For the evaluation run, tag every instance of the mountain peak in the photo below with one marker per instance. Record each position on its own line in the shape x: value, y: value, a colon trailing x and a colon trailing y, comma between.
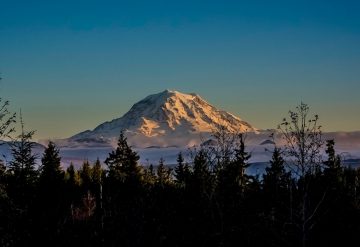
x: 170, y: 93
x: 167, y: 117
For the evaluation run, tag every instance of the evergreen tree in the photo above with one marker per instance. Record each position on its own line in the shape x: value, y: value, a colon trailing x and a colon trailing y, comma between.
x: 276, y: 184
x: 123, y: 162
x: 239, y: 164
x: 333, y: 169
x: 50, y: 207
x: 85, y: 173
x: 276, y: 178
x: 182, y: 171
x: 7, y: 120
x: 232, y: 179
x: 72, y: 176
x: 97, y: 177
x: 232, y: 183
x: 163, y: 173
x: 22, y: 167
x: 72, y: 183
x: 51, y: 173
x: 201, y: 176
x: 23, y: 178
x: 149, y: 175
x: 124, y: 191
x: 7, y: 211
x: 2, y: 173
x: 97, y: 174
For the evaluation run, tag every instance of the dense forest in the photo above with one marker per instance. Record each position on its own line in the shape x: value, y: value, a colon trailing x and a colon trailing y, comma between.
x: 306, y: 197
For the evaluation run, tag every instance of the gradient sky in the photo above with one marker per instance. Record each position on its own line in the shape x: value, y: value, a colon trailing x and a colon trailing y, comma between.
x: 70, y: 65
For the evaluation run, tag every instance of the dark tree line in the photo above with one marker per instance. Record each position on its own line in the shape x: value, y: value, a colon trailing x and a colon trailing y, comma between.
x: 302, y: 199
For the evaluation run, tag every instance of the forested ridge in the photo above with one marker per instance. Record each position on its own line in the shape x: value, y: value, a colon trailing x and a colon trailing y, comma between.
x: 304, y: 198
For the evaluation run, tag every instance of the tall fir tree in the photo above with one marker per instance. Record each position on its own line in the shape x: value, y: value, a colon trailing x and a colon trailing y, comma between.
x: 163, y: 173
x: 232, y: 179
x: 85, y: 173
x: 123, y: 162
x: 72, y: 176
x: 182, y: 171
x: 276, y: 178
x: 51, y: 173
x: 51, y: 206
x: 150, y: 176
x: 72, y: 182
x: 97, y: 180
x: 201, y: 179
x: 23, y: 179
x: 240, y: 163
x: 333, y: 169
x: 2, y: 174
x: 97, y: 174
x: 277, y: 188
x: 22, y: 169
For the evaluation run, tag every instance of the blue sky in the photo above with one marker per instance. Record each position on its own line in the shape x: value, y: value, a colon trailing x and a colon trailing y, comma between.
x: 70, y: 65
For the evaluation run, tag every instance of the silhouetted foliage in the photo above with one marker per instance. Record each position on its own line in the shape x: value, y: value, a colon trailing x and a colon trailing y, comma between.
x: 85, y: 173
x: 22, y: 178
x: 50, y: 203
x: 182, y: 171
x: 276, y: 179
x: 22, y: 171
x: 163, y: 173
x: 123, y: 162
x: 333, y: 167
x: 51, y: 173
x: 210, y: 201
x: 150, y: 176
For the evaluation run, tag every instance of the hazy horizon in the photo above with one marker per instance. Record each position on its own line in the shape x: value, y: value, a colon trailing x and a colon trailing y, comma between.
x: 73, y: 65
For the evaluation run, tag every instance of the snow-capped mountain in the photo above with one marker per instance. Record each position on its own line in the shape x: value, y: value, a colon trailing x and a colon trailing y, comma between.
x: 169, y: 118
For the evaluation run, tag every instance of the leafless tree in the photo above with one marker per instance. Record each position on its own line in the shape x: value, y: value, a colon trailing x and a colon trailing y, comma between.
x: 302, y: 148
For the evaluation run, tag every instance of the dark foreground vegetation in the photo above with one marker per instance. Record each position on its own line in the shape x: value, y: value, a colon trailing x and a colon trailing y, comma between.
x: 314, y: 201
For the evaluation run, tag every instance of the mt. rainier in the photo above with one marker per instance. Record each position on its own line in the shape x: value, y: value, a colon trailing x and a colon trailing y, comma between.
x: 169, y: 118
x: 175, y: 121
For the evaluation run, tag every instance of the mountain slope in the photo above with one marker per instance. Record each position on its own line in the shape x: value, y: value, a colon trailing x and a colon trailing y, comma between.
x: 165, y: 119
